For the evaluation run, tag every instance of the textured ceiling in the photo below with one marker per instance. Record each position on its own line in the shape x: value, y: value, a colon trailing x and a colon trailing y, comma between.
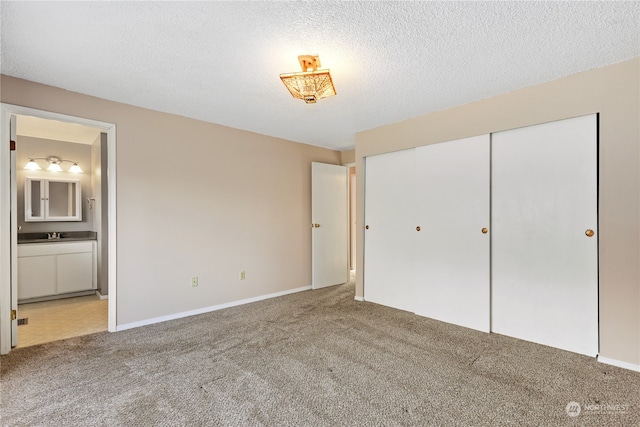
x: 390, y: 61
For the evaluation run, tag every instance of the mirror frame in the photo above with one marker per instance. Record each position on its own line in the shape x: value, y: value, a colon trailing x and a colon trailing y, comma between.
x: 44, y: 203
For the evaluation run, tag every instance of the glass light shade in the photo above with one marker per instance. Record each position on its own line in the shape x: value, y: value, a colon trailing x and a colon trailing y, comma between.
x: 54, y: 167
x: 309, y: 86
x: 75, y: 168
x: 32, y: 165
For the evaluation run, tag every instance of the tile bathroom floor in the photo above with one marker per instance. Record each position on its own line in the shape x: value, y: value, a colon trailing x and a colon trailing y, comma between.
x: 60, y: 319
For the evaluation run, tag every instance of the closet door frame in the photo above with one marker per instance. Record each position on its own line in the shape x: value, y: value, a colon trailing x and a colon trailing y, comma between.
x: 528, y: 299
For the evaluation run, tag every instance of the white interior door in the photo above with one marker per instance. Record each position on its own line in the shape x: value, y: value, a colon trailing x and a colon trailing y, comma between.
x: 544, y: 266
x: 389, y: 235
x: 8, y: 234
x: 452, y: 251
x: 330, y: 223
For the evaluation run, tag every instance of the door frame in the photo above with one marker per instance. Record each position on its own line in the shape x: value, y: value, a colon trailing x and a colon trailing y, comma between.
x: 352, y: 221
x: 351, y: 210
x: 6, y: 267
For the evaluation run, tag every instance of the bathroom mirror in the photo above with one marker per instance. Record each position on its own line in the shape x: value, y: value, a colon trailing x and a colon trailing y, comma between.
x: 52, y: 199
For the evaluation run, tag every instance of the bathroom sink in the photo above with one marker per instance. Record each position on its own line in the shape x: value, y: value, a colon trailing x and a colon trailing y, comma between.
x: 64, y: 236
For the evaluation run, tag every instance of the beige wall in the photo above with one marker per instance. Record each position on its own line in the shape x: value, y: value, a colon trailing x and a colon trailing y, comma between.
x: 196, y: 199
x: 347, y: 157
x: 614, y: 92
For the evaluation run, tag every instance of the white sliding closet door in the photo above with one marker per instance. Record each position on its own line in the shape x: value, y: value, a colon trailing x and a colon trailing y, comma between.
x: 544, y: 265
x: 452, y: 256
x: 389, y: 233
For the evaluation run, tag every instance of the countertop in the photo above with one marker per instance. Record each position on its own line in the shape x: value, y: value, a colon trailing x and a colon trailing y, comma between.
x: 66, y: 236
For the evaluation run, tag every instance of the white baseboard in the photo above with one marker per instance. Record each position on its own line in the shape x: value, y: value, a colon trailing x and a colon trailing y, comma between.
x: 99, y: 295
x: 203, y: 310
x: 357, y: 298
x: 619, y: 364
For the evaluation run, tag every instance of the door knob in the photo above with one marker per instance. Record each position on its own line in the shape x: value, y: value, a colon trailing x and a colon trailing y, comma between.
x: 418, y: 228
x: 366, y: 227
x: 316, y: 225
x: 485, y: 230
x: 589, y: 233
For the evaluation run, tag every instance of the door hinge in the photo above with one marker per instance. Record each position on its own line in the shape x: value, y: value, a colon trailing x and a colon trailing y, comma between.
x: 14, y: 315
x: 12, y: 146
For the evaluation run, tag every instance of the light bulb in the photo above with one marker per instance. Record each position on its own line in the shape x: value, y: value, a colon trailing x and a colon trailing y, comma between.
x: 32, y: 165
x: 54, y: 167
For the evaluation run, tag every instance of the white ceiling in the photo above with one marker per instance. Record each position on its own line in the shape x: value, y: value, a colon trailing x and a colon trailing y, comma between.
x: 220, y: 61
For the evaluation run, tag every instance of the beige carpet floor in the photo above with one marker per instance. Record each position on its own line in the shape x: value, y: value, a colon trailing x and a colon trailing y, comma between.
x: 316, y: 358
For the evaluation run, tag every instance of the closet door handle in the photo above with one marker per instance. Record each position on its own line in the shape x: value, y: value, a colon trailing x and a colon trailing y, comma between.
x: 366, y: 227
x: 418, y: 228
x: 485, y: 230
x: 589, y: 233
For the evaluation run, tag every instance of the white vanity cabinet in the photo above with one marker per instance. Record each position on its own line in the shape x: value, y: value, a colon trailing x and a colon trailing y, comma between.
x: 52, y: 199
x: 49, y: 269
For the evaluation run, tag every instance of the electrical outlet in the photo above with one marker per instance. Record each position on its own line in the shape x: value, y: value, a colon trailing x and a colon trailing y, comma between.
x: 194, y: 282
x: 242, y: 275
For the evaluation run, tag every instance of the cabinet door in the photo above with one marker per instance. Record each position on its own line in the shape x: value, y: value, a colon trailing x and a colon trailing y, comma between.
x: 453, y: 258
x: 37, y: 276
x: 544, y: 266
x: 75, y: 272
x: 63, y: 200
x: 34, y: 199
x: 48, y: 199
x: 390, y: 218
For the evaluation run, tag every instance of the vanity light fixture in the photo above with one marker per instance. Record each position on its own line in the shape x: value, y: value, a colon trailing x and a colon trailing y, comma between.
x: 311, y: 84
x: 54, y: 164
x: 75, y: 168
x: 32, y: 165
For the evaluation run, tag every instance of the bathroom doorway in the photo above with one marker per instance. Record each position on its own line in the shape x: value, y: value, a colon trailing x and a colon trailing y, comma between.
x: 77, y: 310
x: 60, y: 305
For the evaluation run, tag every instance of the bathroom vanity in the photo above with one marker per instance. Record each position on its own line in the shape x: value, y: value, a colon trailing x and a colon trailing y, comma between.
x: 59, y: 267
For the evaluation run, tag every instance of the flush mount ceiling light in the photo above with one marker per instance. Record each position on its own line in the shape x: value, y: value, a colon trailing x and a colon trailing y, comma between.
x: 54, y: 164
x: 309, y: 85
